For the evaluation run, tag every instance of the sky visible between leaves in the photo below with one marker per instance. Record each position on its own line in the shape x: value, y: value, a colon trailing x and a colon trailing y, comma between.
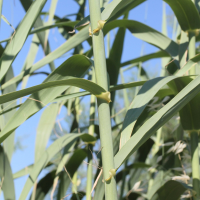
x: 149, y: 13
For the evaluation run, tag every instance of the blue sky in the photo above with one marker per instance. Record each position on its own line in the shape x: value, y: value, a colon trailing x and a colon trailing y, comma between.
x: 149, y: 13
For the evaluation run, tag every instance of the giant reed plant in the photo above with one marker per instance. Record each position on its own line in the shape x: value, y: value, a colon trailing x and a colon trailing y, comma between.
x: 131, y: 162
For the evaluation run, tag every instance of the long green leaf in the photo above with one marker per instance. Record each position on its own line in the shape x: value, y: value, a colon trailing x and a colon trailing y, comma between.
x: 170, y: 190
x: 75, y: 66
x: 91, y: 87
x: 146, y: 34
x: 115, y: 56
x: 72, y: 165
x: 50, y: 19
x: 23, y: 172
x: 159, y: 54
x: 9, y: 143
x: 191, y: 63
x: 77, y: 82
x: 80, y: 94
x: 58, y: 24
x: 68, y: 45
x: 44, y: 129
x: 146, y: 93
x: 65, y: 141
x: 157, y: 120
x: 186, y: 13
x: 30, y: 59
x: 6, y: 176
x: 65, y: 158
x: 15, y: 45
x: 44, y: 185
x: 189, y: 114
x: 41, y: 35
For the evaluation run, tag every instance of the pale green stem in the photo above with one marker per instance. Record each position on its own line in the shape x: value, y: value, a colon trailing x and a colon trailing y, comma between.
x: 194, y: 134
x: 195, y: 164
x: 90, y: 147
x: 103, y: 107
x: 192, y: 48
x: 74, y: 180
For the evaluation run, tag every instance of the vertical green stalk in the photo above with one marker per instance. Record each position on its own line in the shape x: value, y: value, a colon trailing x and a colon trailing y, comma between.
x: 103, y: 107
x: 194, y: 134
x: 90, y: 146
x: 192, y: 49
x: 195, y: 163
x: 74, y: 181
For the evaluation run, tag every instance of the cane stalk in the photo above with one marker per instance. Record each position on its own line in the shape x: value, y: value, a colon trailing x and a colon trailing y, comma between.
x: 103, y: 106
x: 90, y: 146
x: 194, y: 133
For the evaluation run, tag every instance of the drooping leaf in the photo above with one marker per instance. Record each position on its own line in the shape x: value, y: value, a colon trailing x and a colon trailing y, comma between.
x: 69, y: 44
x: 146, y: 34
x: 186, y: 13
x: 75, y: 66
x: 79, y: 94
x: 77, y: 82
